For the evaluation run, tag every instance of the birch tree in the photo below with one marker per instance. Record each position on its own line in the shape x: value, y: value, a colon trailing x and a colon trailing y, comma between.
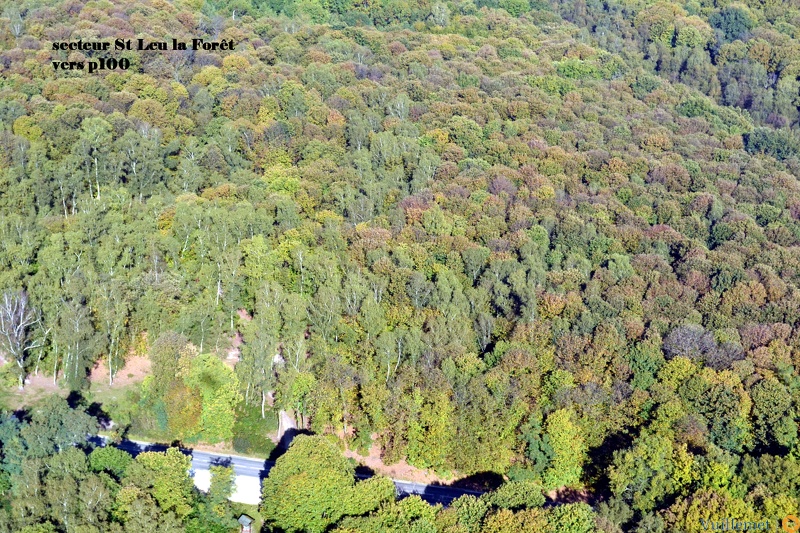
x: 17, y: 323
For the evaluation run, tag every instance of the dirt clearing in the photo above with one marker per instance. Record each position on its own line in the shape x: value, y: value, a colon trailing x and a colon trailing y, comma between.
x: 400, y: 470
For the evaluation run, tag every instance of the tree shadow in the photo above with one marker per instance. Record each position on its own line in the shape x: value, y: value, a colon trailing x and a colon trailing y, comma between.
x: 572, y: 496
x: 95, y: 409
x: 23, y: 414
x: 123, y: 433
x: 280, y: 449
x: 364, y: 472
x: 601, y: 458
x: 268, y: 464
x: 131, y: 448
x: 474, y: 485
x: 221, y: 461
x: 185, y: 450
x: 155, y: 447
x: 76, y: 400
x: 480, y: 481
x: 285, y: 442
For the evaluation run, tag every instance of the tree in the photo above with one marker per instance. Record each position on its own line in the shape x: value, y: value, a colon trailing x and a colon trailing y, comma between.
x: 471, y: 512
x: 651, y: 471
x: 517, y: 495
x: 645, y: 361
x: 12, y: 448
x: 324, y: 311
x: 780, y: 144
x: 311, y: 487
x: 572, y: 518
x: 96, y: 501
x: 567, y: 443
x: 165, y: 355
x: 17, y: 321
x: 91, y: 154
x: 61, y: 496
x: 110, y: 459
x: 773, y: 413
x: 55, y: 427
x: 221, y: 489
x: 113, y: 311
x: 734, y: 22
x: 219, y: 389
x: 432, y: 433
x: 142, y: 161
x: 692, y: 514
x: 515, y: 8
x: 168, y: 472
x: 184, y: 408
x: 144, y: 516
x: 721, y: 405
x: 261, y: 337
x: 408, y: 514
x: 76, y: 335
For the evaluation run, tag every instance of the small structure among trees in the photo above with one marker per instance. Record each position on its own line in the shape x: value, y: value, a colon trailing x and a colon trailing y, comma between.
x: 247, y: 523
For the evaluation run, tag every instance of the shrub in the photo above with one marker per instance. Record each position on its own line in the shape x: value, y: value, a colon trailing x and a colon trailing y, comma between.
x: 250, y: 432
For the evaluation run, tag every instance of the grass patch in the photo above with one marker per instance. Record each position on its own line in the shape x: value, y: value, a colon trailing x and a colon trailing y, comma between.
x: 251, y: 511
x: 251, y: 432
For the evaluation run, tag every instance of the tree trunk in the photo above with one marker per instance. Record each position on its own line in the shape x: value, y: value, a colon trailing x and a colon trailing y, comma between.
x: 110, y: 369
x: 55, y: 367
x: 38, y: 360
x: 263, y: 401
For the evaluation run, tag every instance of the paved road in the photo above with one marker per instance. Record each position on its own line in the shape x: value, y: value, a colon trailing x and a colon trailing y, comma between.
x: 249, y: 472
x: 431, y: 493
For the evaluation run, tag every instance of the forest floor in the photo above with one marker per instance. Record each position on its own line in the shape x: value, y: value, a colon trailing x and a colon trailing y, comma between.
x: 36, y: 389
x: 135, y: 370
x: 41, y: 386
x: 127, y: 378
x: 565, y: 495
x: 234, y: 353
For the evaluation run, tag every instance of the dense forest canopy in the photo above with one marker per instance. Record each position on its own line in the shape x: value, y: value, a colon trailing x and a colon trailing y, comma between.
x: 556, y: 242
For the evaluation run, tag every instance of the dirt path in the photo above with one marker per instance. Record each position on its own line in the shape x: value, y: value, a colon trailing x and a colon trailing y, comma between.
x: 234, y: 353
x: 400, y: 470
x: 285, y: 423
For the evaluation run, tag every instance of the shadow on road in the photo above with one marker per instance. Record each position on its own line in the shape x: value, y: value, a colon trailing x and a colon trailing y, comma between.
x: 221, y: 461
x: 436, y: 493
x: 481, y: 481
x: 444, y: 494
x: 268, y: 464
x: 134, y: 448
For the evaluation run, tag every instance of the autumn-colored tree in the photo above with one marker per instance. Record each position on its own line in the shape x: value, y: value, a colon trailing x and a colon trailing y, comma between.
x: 312, y: 486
